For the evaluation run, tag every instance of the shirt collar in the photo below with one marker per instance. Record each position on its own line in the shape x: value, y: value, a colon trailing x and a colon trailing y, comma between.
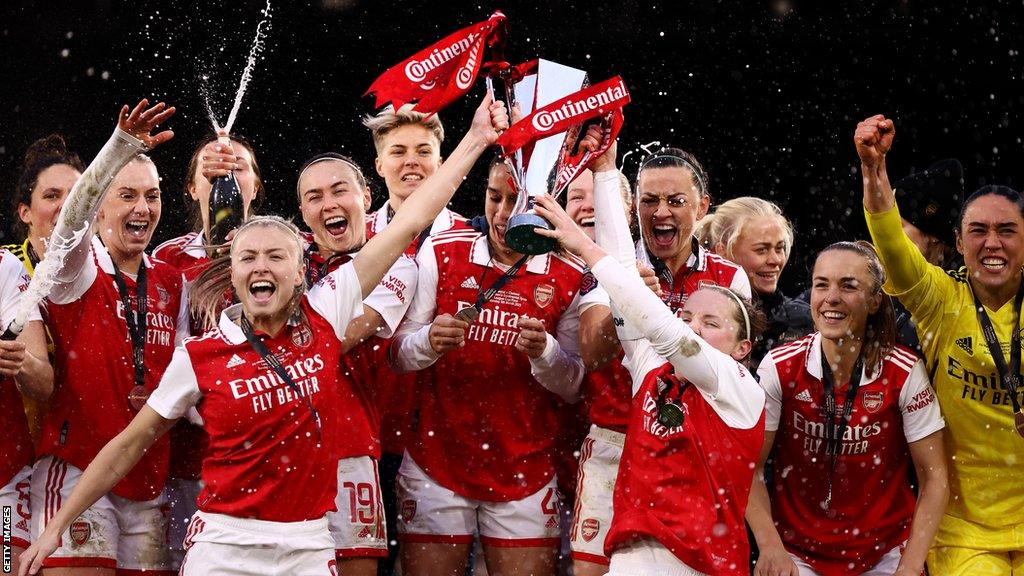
x: 103, y: 257
x: 196, y: 246
x: 813, y: 365
x: 230, y: 328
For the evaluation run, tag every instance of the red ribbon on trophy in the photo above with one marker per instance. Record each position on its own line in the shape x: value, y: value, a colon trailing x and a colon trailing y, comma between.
x: 604, y: 100
x: 439, y: 74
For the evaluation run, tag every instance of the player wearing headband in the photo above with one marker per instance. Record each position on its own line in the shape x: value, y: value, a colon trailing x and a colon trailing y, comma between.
x: 333, y: 197
x: 849, y: 411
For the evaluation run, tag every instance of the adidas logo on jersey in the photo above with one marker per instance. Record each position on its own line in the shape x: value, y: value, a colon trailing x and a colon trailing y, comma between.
x: 235, y: 361
x: 471, y: 283
x: 804, y: 396
x: 552, y: 522
x: 965, y: 345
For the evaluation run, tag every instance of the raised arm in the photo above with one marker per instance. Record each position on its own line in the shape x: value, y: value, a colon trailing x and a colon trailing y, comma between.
x: 420, y: 209
x: 873, y: 139
x: 69, y: 244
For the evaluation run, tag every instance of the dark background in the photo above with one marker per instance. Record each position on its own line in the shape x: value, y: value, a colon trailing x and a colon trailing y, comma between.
x: 765, y: 93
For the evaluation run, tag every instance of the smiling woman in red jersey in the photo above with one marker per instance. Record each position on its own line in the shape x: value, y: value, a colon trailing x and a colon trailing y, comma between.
x: 263, y: 384
x: 848, y: 412
x: 474, y: 464
x: 190, y: 254
x: 114, y: 316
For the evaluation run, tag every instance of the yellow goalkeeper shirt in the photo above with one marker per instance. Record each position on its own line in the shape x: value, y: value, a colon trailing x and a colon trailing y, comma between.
x: 986, y: 506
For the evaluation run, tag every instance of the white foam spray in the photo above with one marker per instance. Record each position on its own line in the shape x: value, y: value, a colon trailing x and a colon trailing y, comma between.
x: 250, y: 65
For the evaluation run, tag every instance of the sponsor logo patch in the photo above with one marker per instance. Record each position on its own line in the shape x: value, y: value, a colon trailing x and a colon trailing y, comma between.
x: 804, y: 396
x: 590, y: 528
x: 235, y: 360
x: 587, y: 283
x: 965, y: 345
x: 471, y: 283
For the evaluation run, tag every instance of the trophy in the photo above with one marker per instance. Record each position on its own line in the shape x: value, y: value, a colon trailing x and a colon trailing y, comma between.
x: 542, y: 149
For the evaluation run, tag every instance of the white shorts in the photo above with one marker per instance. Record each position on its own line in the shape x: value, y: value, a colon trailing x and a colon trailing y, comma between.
x: 112, y: 533
x: 17, y: 507
x: 429, y: 512
x: 885, y: 567
x: 358, y: 526
x: 181, y: 496
x: 217, y: 544
x: 647, y: 557
x: 595, y: 486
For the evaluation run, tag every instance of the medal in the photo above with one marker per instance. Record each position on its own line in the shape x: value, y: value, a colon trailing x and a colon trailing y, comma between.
x: 137, y: 397
x: 670, y: 415
x: 469, y: 314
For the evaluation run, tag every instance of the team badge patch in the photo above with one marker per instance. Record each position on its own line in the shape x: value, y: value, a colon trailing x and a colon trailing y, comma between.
x: 162, y: 296
x: 590, y: 528
x: 408, y: 510
x: 80, y: 532
x: 302, y: 336
x: 872, y: 401
x: 543, y: 294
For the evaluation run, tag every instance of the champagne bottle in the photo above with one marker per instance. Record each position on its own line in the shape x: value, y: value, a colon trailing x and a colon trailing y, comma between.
x: 226, y: 206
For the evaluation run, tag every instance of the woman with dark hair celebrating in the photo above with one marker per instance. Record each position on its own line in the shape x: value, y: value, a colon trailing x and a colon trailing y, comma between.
x: 47, y: 174
x: 848, y: 410
x: 264, y: 383
x: 968, y: 321
x: 697, y: 415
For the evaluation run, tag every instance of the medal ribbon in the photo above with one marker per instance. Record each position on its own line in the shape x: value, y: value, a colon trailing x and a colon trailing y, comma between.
x: 834, y: 432
x: 482, y: 296
x: 1008, y: 374
x: 278, y: 369
x: 136, y: 319
x: 442, y: 72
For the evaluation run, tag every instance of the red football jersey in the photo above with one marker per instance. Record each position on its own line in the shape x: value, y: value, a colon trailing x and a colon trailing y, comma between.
x: 872, y: 502
x: 487, y: 428
x: 188, y: 254
x: 608, y: 392
x: 16, y: 449
x: 265, y: 459
x: 396, y: 395
x: 94, y: 369
x: 701, y: 269
x: 687, y: 487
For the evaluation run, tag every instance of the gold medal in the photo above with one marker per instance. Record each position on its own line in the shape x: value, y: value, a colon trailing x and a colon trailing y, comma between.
x: 468, y: 314
x: 670, y: 415
x: 137, y: 397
